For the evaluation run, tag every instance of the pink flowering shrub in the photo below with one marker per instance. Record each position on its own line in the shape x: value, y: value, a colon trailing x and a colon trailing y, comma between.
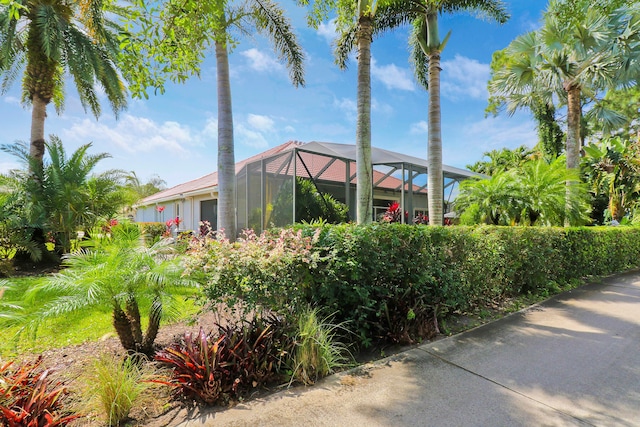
x: 272, y: 270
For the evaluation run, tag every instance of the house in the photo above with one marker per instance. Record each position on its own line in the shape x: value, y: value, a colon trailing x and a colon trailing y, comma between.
x: 265, y: 182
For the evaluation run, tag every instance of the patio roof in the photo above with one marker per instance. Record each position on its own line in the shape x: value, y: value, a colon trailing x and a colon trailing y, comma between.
x: 329, y: 171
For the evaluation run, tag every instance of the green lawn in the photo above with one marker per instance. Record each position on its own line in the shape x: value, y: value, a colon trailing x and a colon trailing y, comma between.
x: 71, y: 329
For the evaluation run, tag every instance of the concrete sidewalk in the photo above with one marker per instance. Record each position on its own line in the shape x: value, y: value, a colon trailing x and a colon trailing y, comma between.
x: 573, y: 360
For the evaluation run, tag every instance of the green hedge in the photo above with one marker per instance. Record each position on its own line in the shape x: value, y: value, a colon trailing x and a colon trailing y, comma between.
x: 391, y: 281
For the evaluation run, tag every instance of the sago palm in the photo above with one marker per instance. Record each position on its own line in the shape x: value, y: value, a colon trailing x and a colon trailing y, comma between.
x: 426, y: 49
x: 45, y: 39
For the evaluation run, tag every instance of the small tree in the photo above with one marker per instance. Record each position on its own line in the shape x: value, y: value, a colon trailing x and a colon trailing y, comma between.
x: 120, y: 273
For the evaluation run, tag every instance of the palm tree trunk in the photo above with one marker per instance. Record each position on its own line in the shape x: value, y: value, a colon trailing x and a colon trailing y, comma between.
x: 133, y: 315
x: 38, y: 115
x: 573, y: 127
x: 226, y: 158
x: 363, y: 127
x: 155, y: 315
x: 574, y: 113
x: 434, y: 155
x: 122, y: 325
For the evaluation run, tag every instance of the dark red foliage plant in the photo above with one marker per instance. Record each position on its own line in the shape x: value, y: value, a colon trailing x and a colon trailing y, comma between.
x: 214, y: 369
x: 29, y: 398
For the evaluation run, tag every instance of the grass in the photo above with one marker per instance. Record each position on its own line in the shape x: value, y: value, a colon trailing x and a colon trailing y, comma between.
x: 319, y: 351
x: 71, y: 329
x: 114, y: 385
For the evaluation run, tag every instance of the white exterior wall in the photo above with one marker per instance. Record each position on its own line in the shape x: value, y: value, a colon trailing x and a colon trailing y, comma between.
x: 188, y: 207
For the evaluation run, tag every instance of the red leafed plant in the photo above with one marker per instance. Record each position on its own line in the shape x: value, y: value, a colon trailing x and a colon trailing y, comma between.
x: 29, y: 398
x: 394, y: 213
x: 212, y: 369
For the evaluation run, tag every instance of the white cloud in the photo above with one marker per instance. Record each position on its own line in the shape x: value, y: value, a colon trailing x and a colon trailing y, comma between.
x: 347, y: 106
x: 419, y: 128
x: 464, y: 78
x: 260, y: 61
x: 134, y: 135
x: 381, y: 107
x: 260, y: 123
x: 498, y: 132
x: 392, y: 76
x: 328, y: 31
x: 12, y: 100
x: 5, y: 167
x: 250, y: 137
x: 289, y: 129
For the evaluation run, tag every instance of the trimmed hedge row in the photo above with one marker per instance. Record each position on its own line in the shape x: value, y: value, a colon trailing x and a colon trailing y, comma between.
x: 389, y: 280
x: 392, y: 281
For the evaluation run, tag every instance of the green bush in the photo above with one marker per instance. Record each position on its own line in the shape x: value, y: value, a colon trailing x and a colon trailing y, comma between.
x: 271, y: 270
x: 152, y: 231
x: 310, y: 205
x: 394, y: 281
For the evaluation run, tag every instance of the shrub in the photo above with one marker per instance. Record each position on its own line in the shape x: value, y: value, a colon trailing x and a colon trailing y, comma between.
x: 272, y: 270
x: 393, y: 282
x: 310, y: 205
x: 152, y: 231
x: 318, y: 350
x: 114, y: 385
x: 217, y: 368
x: 28, y: 397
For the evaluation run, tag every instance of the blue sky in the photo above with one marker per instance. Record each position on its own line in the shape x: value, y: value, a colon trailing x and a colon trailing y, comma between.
x: 174, y: 135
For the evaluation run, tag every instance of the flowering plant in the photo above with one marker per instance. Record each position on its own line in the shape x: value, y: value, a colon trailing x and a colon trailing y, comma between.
x: 394, y: 213
x: 160, y: 208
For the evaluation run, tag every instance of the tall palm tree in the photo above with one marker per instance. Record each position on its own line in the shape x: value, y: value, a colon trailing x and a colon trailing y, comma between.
x: 358, y: 22
x: 573, y: 59
x: 48, y: 38
x: 187, y: 30
x: 426, y: 49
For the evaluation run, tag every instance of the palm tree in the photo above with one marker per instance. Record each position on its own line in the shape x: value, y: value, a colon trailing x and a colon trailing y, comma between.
x: 65, y: 197
x: 357, y: 27
x: 120, y: 274
x: 503, y: 160
x: 613, y: 169
x: 426, y: 50
x: 532, y: 194
x: 48, y: 38
x: 571, y: 59
x: 187, y: 30
x: 541, y: 194
x: 491, y: 198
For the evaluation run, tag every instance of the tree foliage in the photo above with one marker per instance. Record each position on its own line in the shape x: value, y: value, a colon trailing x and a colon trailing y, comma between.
x: 120, y: 274
x: 43, y: 40
x: 612, y: 169
x: 503, y: 160
x: 532, y: 194
x: 65, y: 197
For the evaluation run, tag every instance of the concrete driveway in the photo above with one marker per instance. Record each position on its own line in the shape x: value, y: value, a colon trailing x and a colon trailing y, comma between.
x: 573, y: 360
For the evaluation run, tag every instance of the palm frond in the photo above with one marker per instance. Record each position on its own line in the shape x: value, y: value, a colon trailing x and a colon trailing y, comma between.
x: 419, y: 59
x: 345, y: 44
x: 272, y: 21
